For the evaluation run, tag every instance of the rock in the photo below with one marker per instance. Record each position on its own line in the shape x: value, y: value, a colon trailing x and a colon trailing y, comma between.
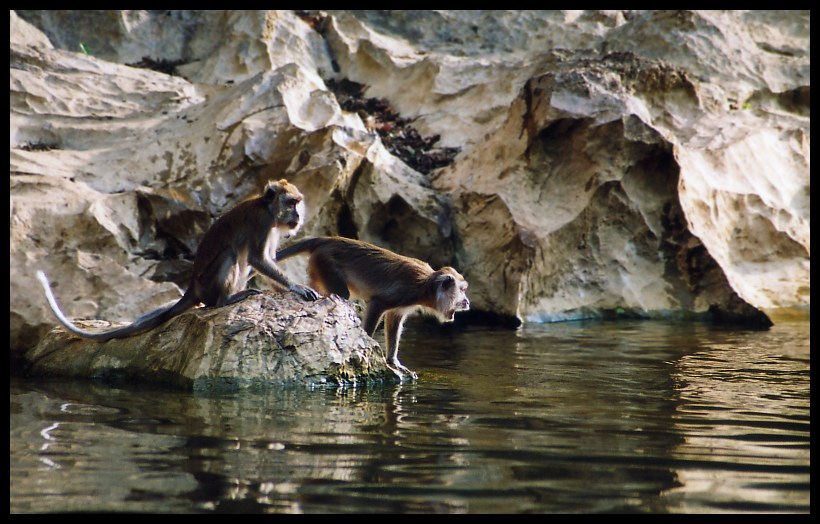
x: 266, y: 339
x: 613, y: 234
x: 205, y: 47
x: 647, y: 163
x: 605, y: 152
x: 113, y: 190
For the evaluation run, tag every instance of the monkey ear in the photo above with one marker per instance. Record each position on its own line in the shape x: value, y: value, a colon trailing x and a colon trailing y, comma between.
x: 447, y: 281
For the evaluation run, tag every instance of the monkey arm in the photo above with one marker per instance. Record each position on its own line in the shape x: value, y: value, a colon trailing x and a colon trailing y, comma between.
x: 393, y: 325
x: 269, y: 269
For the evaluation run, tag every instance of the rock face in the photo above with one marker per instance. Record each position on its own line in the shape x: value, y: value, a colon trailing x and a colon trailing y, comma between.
x: 265, y: 339
x: 652, y: 163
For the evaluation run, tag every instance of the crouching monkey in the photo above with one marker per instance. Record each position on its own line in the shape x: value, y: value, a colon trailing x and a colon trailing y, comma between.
x: 392, y: 285
x: 240, y: 241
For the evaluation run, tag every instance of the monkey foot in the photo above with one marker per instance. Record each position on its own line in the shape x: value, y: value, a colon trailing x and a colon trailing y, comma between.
x: 242, y: 295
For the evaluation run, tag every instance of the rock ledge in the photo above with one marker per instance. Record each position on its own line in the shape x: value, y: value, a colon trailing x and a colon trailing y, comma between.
x: 265, y: 340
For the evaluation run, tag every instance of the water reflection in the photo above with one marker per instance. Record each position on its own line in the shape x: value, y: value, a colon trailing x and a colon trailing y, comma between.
x: 575, y: 417
x: 746, y: 419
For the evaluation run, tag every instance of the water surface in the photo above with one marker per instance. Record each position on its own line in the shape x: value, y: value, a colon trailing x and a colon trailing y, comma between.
x: 619, y: 416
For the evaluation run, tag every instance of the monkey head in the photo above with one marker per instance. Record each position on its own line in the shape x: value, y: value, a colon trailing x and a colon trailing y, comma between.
x: 286, y: 204
x: 451, y: 293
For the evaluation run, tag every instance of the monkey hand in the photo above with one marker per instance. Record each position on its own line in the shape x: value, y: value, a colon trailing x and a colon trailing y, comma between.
x: 305, y: 292
x: 403, y: 371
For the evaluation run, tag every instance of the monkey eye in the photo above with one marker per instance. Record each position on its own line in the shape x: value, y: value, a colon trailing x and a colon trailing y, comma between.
x: 291, y: 202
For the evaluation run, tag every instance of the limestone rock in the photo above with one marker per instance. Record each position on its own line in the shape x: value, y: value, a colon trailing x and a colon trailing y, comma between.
x: 205, y: 47
x: 583, y: 210
x: 651, y: 163
x: 266, y: 339
x: 117, y: 172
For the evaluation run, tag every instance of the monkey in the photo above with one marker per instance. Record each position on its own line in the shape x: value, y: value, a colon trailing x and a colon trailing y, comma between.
x: 242, y: 240
x: 392, y: 285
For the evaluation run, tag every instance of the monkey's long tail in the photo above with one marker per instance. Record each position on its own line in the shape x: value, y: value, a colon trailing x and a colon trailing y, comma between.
x: 303, y: 246
x: 146, y: 323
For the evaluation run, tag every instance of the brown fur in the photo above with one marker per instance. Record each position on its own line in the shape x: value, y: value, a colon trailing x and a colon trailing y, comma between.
x: 240, y: 241
x: 392, y: 285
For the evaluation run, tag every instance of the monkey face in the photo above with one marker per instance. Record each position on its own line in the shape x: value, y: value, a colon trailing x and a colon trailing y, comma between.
x: 291, y: 212
x: 451, y: 293
x: 287, y: 205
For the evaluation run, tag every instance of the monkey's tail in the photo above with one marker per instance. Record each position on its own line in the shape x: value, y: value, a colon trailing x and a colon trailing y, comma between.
x: 303, y: 246
x: 145, y: 323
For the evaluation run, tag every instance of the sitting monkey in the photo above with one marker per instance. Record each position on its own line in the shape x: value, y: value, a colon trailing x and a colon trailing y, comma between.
x: 242, y: 240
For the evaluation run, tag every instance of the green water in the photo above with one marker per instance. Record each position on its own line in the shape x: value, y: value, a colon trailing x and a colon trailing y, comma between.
x: 621, y: 416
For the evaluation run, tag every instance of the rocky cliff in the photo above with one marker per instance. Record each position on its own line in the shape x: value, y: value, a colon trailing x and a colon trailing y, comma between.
x: 569, y: 164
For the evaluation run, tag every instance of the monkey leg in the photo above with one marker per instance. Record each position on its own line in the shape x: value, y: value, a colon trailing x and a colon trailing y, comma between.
x: 222, y: 281
x: 372, y: 316
x: 324, y: 276
x: 236, y: 297
x: 231, y: 281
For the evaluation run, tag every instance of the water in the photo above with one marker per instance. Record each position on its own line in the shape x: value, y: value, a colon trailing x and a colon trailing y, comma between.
x: 574, y: 417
